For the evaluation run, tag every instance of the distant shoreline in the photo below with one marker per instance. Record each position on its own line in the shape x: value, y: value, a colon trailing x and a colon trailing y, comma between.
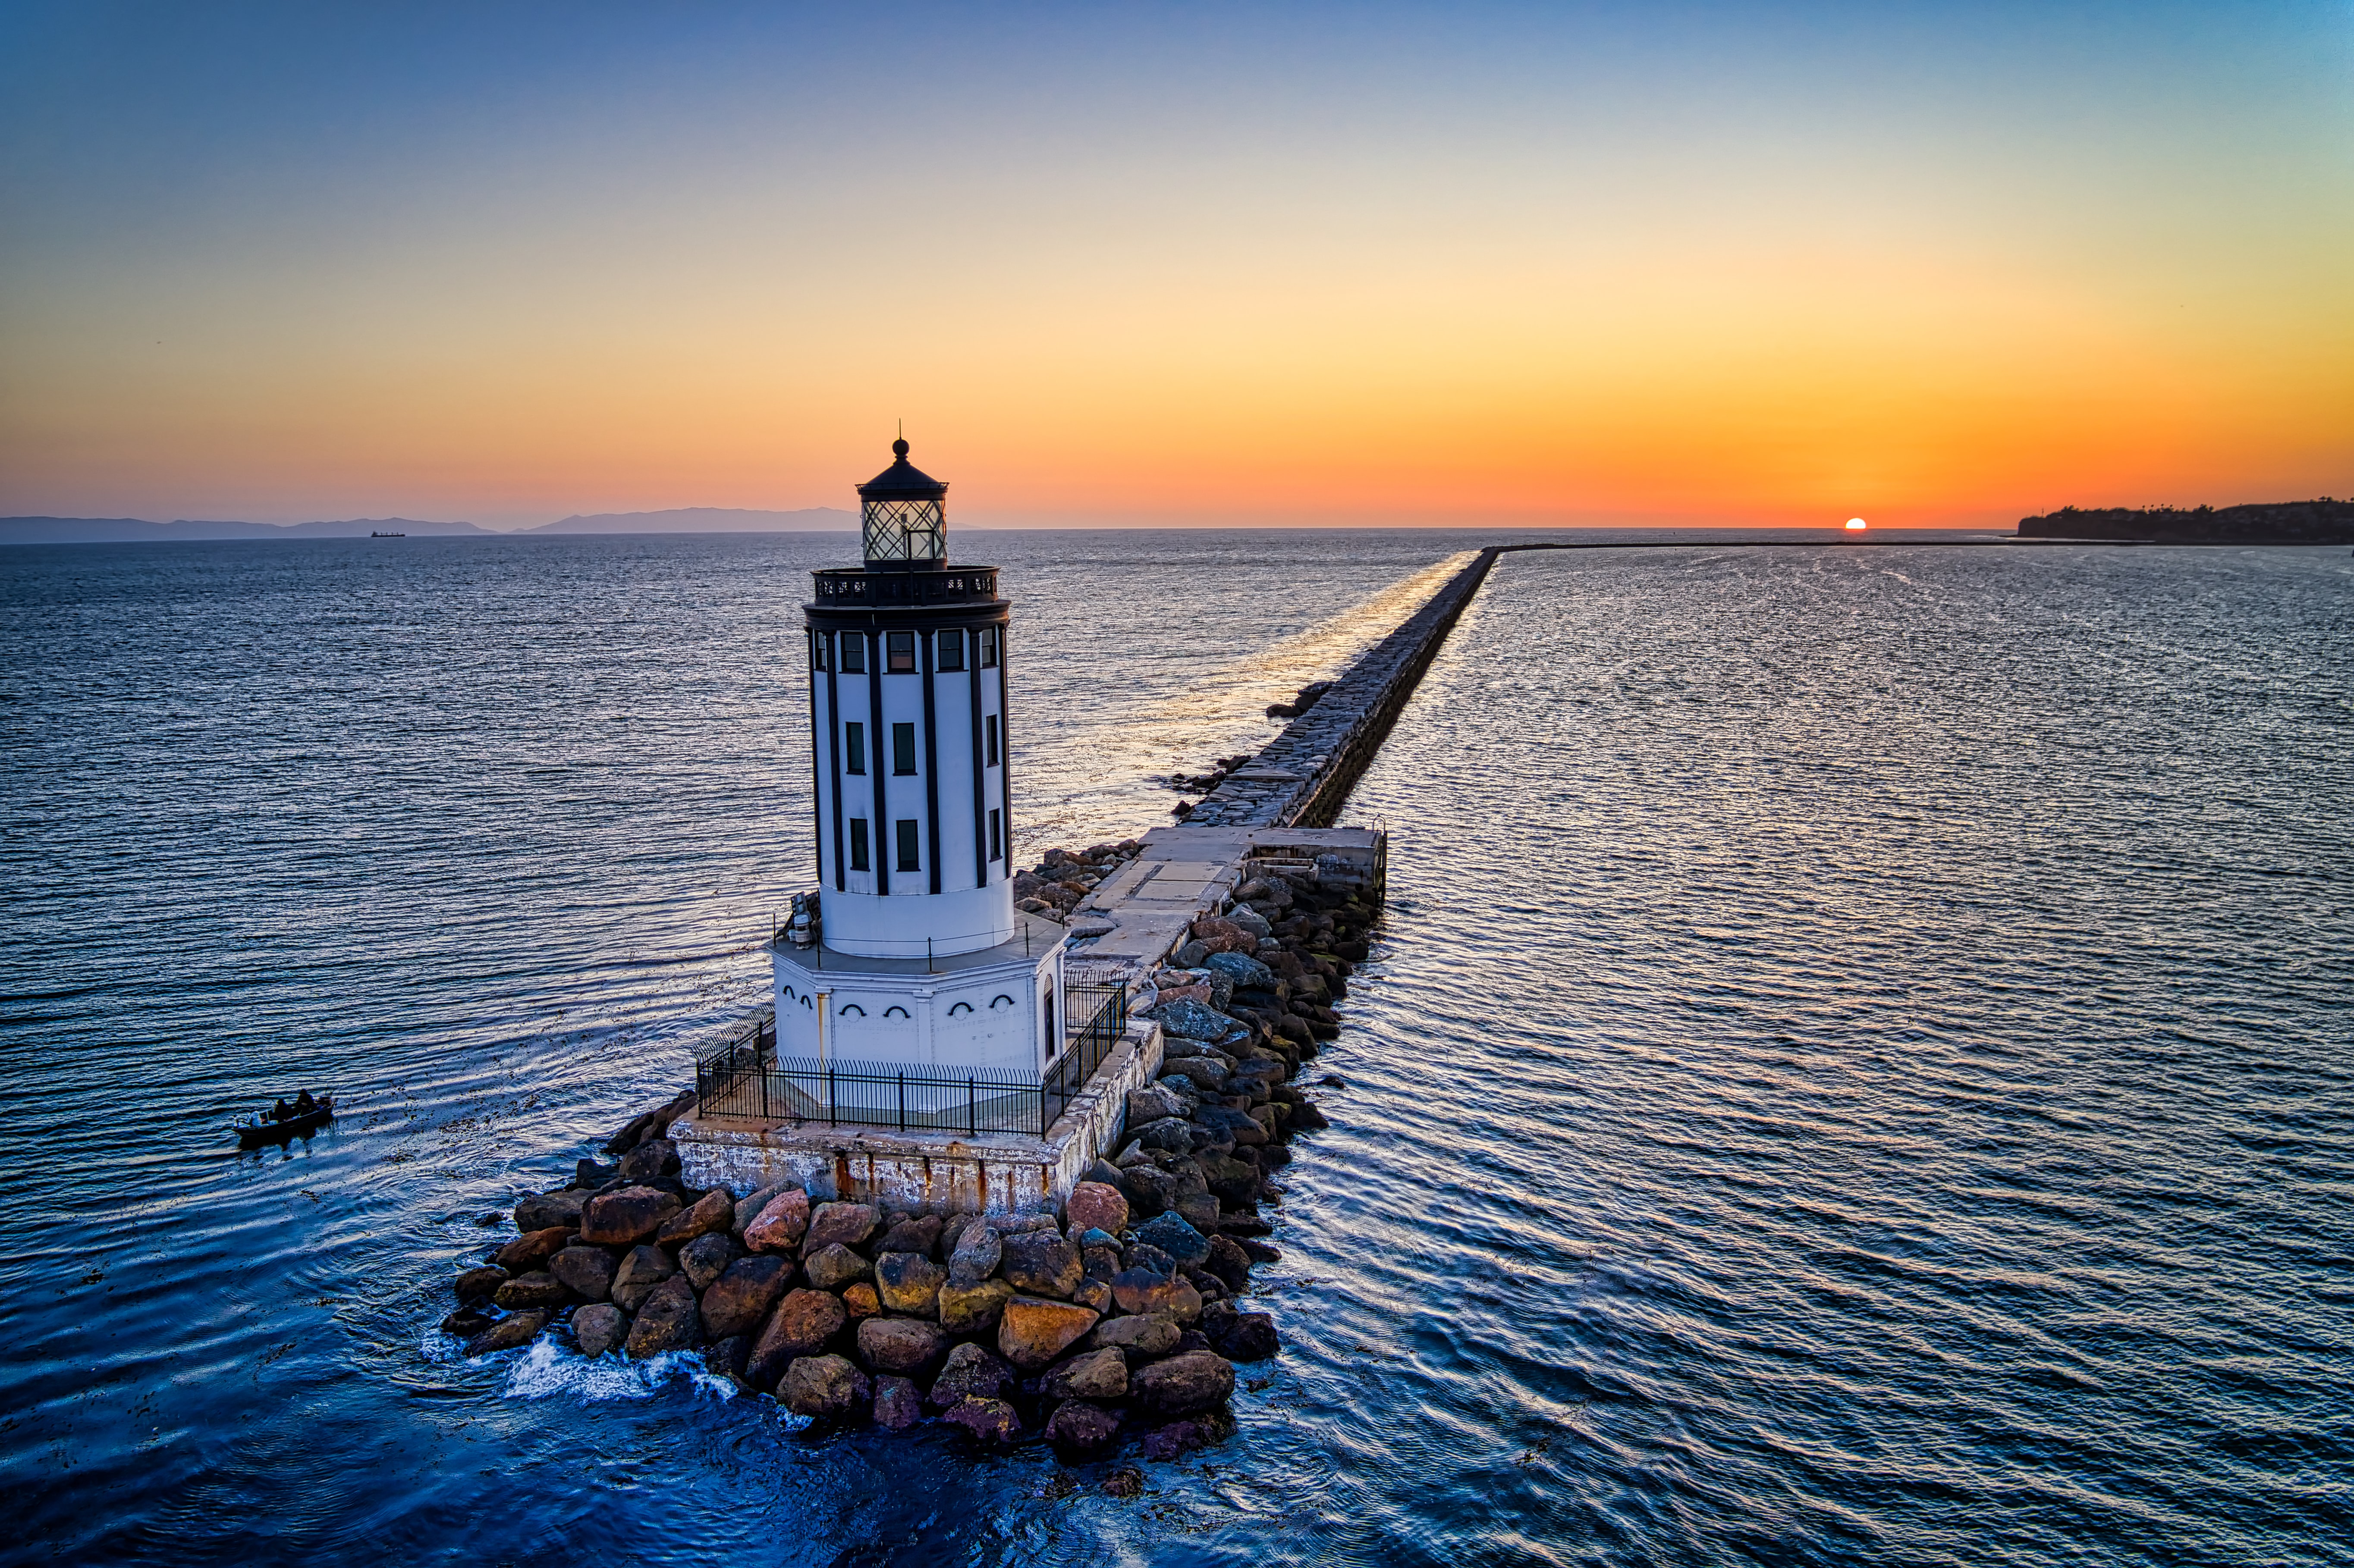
x: 2326, y: 521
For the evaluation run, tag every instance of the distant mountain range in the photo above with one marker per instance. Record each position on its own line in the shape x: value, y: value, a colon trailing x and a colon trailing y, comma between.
x: 686, y: 520
x: 707, y: 520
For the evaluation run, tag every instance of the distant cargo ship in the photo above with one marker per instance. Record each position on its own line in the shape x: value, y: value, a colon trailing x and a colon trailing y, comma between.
x: 380, y: 534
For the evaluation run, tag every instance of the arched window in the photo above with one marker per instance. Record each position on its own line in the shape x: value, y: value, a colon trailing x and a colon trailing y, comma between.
x: 996, y: 1002
x: 959, y: 1007
x: 849, y: 1007
x: 895, y: 1012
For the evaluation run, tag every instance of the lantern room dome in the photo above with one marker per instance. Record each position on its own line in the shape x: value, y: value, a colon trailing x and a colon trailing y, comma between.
x: 903, y: 481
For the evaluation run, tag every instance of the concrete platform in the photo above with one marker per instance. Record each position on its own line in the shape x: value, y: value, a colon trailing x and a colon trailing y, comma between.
x: 937, y: 1172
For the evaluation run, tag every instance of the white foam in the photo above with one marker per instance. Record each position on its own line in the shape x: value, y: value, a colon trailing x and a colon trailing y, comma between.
x: 547, y: 1371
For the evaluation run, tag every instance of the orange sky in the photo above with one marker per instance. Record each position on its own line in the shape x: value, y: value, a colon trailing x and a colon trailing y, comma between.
x: 1426, y: 279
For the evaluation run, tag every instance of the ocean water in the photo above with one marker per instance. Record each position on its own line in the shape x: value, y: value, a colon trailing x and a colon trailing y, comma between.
x: 1857, y: 1070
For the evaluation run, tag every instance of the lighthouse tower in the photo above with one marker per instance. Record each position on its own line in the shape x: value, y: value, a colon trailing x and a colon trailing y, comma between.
x: 920, y: 948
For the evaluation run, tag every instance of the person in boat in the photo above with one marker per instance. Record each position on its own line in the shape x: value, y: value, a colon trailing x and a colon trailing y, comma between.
x: 281, y: 1110
x: 304, y: 1105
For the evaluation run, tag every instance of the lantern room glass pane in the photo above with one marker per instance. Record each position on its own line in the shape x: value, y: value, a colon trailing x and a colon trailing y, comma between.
x: 905, y: 530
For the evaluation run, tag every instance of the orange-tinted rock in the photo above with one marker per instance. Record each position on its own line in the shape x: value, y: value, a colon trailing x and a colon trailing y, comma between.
x: 1031, y: 1332
x: 781, y: 1224
x: 1094, y: 1205
x: 715, y: 1211
x: 532, y: 1249
x: 627, y: 1217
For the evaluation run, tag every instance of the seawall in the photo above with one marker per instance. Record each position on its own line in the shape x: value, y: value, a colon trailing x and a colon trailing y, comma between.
x: 1302, y: 776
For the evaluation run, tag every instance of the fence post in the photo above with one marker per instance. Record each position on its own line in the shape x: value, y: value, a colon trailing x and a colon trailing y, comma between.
x: 902, y: 1102
x: 832, y: 1105
x: 969, y: 1106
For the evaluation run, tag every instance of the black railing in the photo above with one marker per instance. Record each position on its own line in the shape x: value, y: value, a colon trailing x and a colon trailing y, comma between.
x: 743, y: 1079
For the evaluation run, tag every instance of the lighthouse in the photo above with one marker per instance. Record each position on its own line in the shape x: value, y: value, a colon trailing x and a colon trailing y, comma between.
x: 917, y: 957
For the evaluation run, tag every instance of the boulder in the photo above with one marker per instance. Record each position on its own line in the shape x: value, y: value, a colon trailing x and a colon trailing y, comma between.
x: 1199, y: 1209
x: 728, y: 1358
x: 656, y: 1159
x: 1155, y: 1334
x: 1082, y: 1427
x: 781, y: 1223
x: 826, y: 1387
x: 1149, y: 1188
x: 1228, y: 1263
x: 1231, y: 1178
x: 1184, y: 1302
x: 1178, y: 1438
x: 1144, y: 1291
x: 532, y: 1249
x: 953, y: 1232
x: 804, y: 1324
x: 549, y: 1210
x: 1189, y: 954
x: 860, y: 1300
x: 1096, y: 1374
x: 897, y: 1407
x: 507, y: 1333
x: 1250, y: 920
x: 748, y: 1206
x: 477, y: 1284
x: 909, y: 1283
x: 707, y: 1258
x: 468, y: 1321
x: 978, y: 1252
x: 917, y: 1234
x: 1241, y: 1336
x: 711, y: 1214
x: 1229, y: 1125
x: 598, y: 1329
x: 585, y: 1271
x: 1240, y: 968
x: 668, y: 1321
x: 1154, y: 1101
x: 1174, y: 1236
x: 1041, y: 1263
x: 835, y: 1265
x: 974, y: 1308
x: 537, y: 1288
x: 840, y: 1224
x: 970, y: 1373
x: 1197, y: 1075
x: 1095, y: 1294
x: 903, y: 1345
x: 645, y: 1268
x: 991, y: 1421
x: 741, y: 1298
x: 1183, y: 1385
x: 625, y: 1217
x: 1222, y: 936
x: 1194, y: 1022
x: 1306, y: 1117
x: 1096, y: 1207
x: 1031, y: 1332
x: 1168, y: 1133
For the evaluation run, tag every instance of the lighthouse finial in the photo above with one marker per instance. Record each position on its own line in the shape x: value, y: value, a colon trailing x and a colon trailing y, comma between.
x: 899, y: 446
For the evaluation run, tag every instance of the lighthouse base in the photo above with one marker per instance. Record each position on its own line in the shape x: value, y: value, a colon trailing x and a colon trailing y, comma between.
x: 999, y: 1010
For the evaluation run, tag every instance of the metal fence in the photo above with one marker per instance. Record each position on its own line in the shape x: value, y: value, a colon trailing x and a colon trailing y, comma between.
x: 746, y: 1079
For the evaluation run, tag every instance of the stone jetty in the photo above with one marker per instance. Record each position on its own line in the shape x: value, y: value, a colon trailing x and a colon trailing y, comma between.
x: 1087, y: 1287
x: 1119, y: 1314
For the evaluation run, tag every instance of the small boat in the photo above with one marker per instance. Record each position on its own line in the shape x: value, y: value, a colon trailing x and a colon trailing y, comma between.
x: 383, y: 535
x: 262, y: 1130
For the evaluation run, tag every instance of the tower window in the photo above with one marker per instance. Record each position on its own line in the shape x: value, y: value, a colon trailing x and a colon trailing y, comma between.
x: 902, y: 646
x: 989, y: 734
x: 989, y: 648
x: 903, y: 748
x: 854, y: 653
x: 907, y: 844
x: 951, y: 651
x: 859, y: 859
x: 821, y: 645
x: 854, y: 747
x: 996, y: 834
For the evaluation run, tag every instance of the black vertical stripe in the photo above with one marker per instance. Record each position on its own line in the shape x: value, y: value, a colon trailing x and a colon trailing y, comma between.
x: 1005, y: 738
x: 879, y: 837
x: 979, y: 774
x: 834, y: 757
x: 931, y: 757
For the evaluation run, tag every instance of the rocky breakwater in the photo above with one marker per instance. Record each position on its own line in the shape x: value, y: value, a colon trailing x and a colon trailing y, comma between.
x: 1121, y: 1317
